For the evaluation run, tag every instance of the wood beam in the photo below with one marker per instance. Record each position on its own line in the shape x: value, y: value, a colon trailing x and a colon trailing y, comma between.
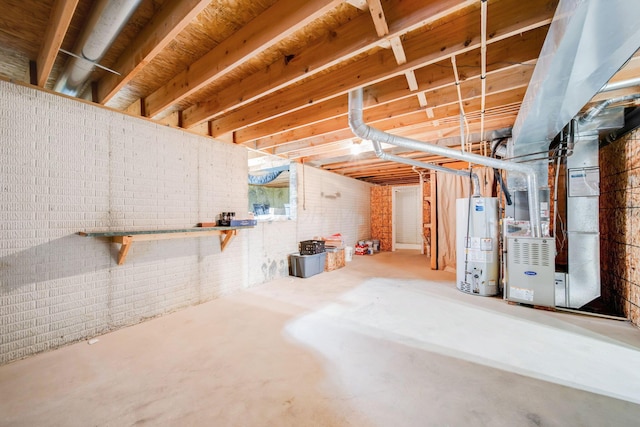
x: 413, y: 125
x: 377, y: 14
x: 411, y: 80
x: 398, y: 50
x: 520, y: 50
x: 61, y: 14
x: 360, y: 4
x: 267, y: 29
x: 171, y: 19
x: 498, y: 82
x: 453, y: 37
x: 354, y: 38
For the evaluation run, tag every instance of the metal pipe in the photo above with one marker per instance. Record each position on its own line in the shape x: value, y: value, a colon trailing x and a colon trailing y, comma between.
x: 361, y: 129
x: 597, y: 109
x: 621, y: 85
x: 377, y: 148
x: 107, y: 20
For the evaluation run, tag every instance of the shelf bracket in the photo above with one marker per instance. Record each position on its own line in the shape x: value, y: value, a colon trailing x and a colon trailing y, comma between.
x: 125, y: 241
x: 228, y: 235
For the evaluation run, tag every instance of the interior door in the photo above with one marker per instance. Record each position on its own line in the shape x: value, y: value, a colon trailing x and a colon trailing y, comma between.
x: 407, y: 218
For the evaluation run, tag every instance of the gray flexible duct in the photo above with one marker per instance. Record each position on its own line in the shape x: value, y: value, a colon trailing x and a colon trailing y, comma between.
x: 362, y: 130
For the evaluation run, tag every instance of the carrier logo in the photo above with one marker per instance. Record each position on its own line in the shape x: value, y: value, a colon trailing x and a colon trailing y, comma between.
x: 530, y: 273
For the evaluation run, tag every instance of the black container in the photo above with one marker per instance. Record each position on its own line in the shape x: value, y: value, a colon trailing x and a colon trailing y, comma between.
x: 311, y: 247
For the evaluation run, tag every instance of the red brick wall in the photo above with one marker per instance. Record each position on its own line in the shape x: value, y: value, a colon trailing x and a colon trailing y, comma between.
x: 620, y: 225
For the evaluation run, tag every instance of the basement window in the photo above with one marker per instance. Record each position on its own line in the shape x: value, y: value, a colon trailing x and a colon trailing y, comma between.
x: 271, y: 180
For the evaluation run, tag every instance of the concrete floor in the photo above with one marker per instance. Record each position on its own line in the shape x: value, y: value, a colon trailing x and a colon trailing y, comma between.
x: 381, y: 342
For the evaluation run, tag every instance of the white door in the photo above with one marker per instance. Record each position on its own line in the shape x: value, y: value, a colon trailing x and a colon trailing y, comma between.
x: 407, y: 218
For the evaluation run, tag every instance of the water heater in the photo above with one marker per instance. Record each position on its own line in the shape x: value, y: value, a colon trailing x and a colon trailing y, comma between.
x: 477, y: 248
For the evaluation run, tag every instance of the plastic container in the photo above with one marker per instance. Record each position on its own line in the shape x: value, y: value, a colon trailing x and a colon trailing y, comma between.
x: 306, y: 265
x: 348, y: 253
x: 376, y: 245
x: 311, y: 247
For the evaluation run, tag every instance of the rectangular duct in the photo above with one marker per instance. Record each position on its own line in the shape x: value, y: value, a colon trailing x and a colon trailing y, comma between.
x: 588, y: 41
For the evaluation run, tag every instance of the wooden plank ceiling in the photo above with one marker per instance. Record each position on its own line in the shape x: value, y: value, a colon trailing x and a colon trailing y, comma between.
x: 273, y: 75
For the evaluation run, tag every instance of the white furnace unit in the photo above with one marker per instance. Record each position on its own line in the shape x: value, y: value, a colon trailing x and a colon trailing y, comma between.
x: 477, y: 248
x: 531, y: 270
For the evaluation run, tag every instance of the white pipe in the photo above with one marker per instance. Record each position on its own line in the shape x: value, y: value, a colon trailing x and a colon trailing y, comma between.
x: 107, y: 19
x: 361, y: 129
x: 483, y: 68
x: 463, y: 116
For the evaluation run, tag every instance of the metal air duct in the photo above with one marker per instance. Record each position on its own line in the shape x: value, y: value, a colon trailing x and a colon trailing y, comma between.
x: 107, y: 19
x: 417, y: 164
x: 587, y: 43
x: 364, y: 131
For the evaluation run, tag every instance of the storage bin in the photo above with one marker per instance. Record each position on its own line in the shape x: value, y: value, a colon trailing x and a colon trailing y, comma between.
x: 310, y: 247
x: 306, y: 265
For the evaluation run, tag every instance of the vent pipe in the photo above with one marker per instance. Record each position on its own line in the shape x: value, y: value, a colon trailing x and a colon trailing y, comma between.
x: 107, y: 19
x: 365, y: 131
x: 417, y: 164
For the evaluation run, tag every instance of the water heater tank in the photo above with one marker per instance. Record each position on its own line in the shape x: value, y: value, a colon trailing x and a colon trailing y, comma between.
x: 477, y: 248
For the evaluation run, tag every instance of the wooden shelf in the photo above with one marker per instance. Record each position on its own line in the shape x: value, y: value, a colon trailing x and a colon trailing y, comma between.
x: 126, y: 238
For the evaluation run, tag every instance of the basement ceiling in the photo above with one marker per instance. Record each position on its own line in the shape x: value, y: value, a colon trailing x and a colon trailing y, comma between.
x: 273, y: 75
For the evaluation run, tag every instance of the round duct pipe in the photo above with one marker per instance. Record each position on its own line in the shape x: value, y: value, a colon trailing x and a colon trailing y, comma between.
x: 107, y: 19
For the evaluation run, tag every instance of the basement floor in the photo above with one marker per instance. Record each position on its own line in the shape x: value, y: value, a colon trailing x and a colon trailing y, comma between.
x: 382, y: 342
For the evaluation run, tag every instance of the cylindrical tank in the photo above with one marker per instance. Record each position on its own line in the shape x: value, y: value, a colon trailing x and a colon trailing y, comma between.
x: 477, y: 246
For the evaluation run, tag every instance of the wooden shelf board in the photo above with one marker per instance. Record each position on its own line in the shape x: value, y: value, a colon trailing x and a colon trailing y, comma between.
x: 126, y: 238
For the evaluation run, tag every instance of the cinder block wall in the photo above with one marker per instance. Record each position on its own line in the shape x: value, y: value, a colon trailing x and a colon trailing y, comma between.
x: 620, y: 225
x: 68, y: 166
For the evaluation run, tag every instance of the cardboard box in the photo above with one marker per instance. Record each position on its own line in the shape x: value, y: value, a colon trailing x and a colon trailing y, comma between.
x: 335, y: 259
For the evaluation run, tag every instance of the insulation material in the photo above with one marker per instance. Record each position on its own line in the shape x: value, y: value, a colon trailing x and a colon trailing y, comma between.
x: 449, y: 188
x: 620, y: 226
x: 381, y: 216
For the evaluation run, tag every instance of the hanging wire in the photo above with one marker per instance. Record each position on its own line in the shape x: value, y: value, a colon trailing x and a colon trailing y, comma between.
x: 463, y: 117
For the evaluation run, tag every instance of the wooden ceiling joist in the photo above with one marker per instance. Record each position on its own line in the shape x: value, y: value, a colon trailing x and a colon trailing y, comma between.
x: 454, y: 37
x: 172, y: 19
x: 350, y: 40
x: 502, y: 56
x: 505, y: 85
x: 59, y: 21
x: 276, y: 23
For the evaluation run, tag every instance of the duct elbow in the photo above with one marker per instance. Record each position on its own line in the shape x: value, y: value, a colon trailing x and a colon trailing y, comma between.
x: 476, y: 184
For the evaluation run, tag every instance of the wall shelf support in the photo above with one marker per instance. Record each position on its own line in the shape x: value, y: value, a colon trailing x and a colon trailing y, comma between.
x: 126, y: 238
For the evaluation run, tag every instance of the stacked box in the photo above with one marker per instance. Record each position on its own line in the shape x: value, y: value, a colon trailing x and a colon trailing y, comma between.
x: 306, y: 265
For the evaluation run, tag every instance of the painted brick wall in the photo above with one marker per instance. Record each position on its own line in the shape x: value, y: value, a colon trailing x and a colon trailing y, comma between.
x: 67, y: 166
x: 329, y: 203
x: 620, y: 225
